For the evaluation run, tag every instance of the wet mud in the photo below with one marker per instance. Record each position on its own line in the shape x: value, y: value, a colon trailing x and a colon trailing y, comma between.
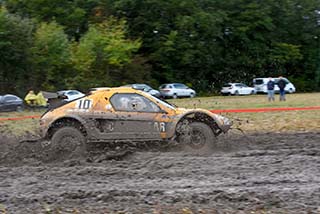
x: 257, y: 173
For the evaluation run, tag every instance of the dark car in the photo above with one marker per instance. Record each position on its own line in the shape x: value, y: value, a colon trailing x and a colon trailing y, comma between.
x: 11, y: 102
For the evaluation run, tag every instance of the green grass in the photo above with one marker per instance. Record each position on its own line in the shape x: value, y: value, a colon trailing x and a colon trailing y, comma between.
x: 20, y: 127
x: 291, y: 121
x: 244, y: 102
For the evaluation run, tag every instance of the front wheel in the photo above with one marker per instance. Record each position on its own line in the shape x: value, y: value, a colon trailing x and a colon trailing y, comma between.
x: 19, y: 108
x: 66, y: 143
x: 200, y: 138
x: 175, y: 96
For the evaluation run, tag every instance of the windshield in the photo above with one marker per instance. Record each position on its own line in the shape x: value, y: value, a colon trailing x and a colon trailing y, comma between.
x: 258, y: 81
x: 169, y: 105
x: 162, y: 102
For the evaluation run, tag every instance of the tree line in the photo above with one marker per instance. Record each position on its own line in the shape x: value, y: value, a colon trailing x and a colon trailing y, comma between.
x: 51, y: 45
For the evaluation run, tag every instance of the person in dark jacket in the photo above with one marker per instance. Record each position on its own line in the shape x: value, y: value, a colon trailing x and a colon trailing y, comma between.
x: 282, y: 84
x: 270, y: 87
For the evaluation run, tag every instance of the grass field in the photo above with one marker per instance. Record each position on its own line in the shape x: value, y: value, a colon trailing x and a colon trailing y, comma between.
x: 291, y: 121
x: 253, y: 101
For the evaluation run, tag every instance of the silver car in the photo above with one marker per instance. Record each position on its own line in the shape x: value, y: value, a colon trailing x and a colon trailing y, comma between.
x: 237, y: 89
x: 175, y: 90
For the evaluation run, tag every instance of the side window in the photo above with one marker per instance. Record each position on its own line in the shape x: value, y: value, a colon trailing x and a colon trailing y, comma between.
x: 180, y: 86
x: 9, y: 98
x: 133, y: 103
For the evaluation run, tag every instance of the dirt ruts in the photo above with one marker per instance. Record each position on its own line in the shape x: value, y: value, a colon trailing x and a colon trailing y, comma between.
x: 257, y: 173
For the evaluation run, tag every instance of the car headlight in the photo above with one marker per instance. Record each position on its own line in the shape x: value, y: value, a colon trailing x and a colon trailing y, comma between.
x: 225, y: 121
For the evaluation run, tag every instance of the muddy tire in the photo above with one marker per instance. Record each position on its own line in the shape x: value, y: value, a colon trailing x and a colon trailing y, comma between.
x: 202, y: 139
x: 66, y: 143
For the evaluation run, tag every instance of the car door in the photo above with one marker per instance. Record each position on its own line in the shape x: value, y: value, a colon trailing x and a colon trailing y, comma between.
x: 246, y: 89
x: 134, y: 118
x: 181, y: 89
x: 239, y: 88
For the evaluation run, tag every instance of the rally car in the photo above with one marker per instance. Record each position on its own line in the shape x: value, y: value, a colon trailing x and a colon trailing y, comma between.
x: 122, y: 114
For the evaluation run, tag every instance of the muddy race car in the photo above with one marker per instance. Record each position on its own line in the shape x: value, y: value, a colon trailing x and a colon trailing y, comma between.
x: 126, y: 114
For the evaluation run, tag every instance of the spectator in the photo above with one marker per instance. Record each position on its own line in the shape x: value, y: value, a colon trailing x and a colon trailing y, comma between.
x: 40, y: 100
x: 282, y: 84
x: 270, y: 87
x: 31, y: 98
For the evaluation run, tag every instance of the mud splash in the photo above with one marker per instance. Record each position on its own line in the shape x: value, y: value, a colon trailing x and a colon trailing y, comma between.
x: 260, y: 173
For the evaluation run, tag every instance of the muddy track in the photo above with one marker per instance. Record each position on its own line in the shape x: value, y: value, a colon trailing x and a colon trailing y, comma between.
x: 261, y: 173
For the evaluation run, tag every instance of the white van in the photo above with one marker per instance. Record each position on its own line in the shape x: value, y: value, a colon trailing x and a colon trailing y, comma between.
x: 260, y: 84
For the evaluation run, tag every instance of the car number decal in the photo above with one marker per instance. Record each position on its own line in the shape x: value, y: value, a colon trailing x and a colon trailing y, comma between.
x: 84, y: 104
x: 160, y: 126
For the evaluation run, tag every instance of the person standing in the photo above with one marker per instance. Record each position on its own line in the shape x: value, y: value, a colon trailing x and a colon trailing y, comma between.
x: 270, y: 87
x: 282, y: 84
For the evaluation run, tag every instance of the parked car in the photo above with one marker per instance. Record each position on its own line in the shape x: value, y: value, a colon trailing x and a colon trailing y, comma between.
x: 237, y: 89
x: 145, y: 88
x: 11, y: 102
x: 260, y: 84
x: 69, y: 95
x: 175, y: 90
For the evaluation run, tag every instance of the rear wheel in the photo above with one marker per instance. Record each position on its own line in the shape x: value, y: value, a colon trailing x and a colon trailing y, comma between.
x: 66, y: 143
x: 236, y: 93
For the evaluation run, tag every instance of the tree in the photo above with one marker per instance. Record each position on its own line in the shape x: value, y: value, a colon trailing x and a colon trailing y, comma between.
x: 102, y: 53
x: 73, y: 15
x: 218, y: 41
x: 50, y: 57
x: 15, y: 41
x: 179, y: 36
x: 200, y: 42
